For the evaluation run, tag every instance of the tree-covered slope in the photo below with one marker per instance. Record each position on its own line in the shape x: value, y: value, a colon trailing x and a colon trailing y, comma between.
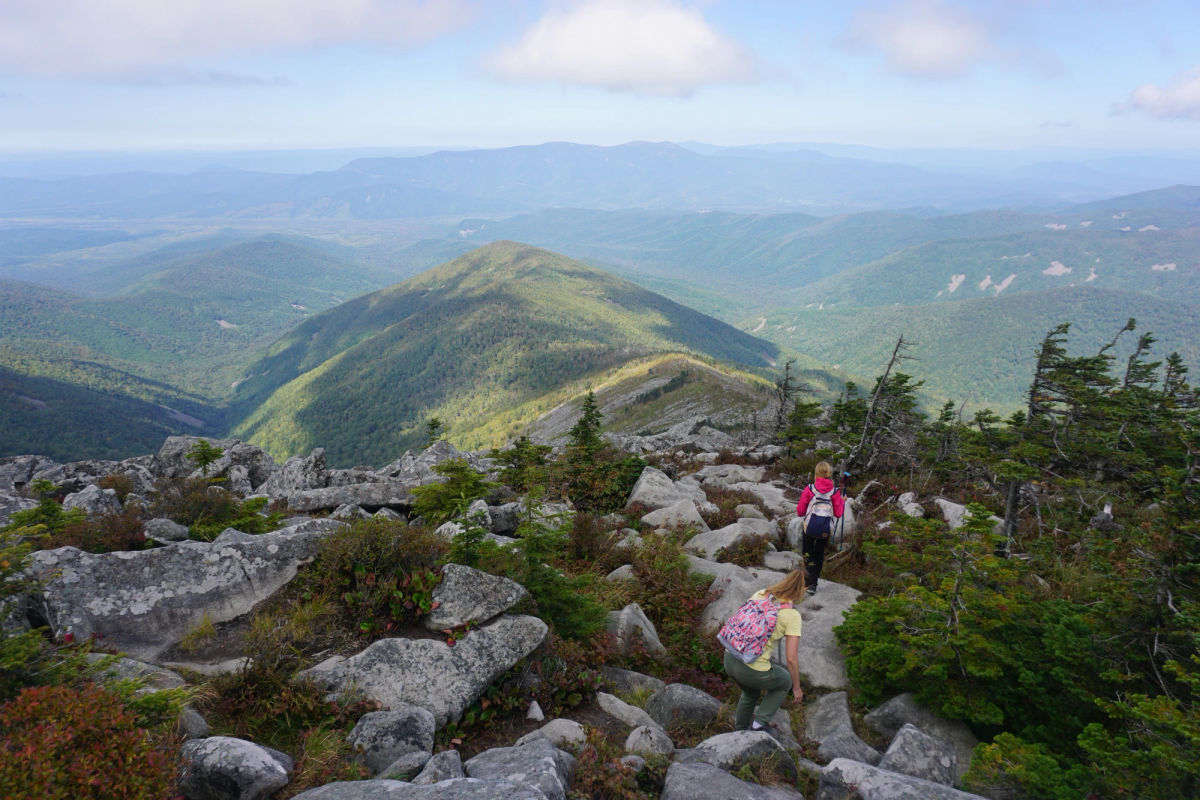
x: 464, y: 341
x: 978, y: 351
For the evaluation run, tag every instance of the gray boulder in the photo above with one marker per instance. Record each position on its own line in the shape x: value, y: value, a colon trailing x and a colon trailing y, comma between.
x: 889, y: 718
x: 349, y: 512
x: 409, y: 764
x: 826, y: 715
x: 172, y: 461
x: 649, y: 741
x: 563, y: 733
x: 93, y: 500
x: 370, y: 496
x: 191, y: 724
x: 428, y: 672
x: 298, y: 474
x: 224, y: 768
x: 505, y: 518
x: 453, y: 789
x: 536, y: 762
x: 10, y: 504
x: 443, y: 766
x: 680, y: 514
x: 165, y: 531
x: 114, y: 668
x: 709, y: 544
x: 381, y: 737
x: 783, y: 560
x: 75, y: 476
x: 655, y: 490
x: 700, y: 781
x: 730, y: 474
x: 845, y: 743
x: 845, y: 779
x: 630, y: 626
x: 627, y: 680
x: 622, y: 573
x: 920, y: 755
x: 629, y: 714
x: 466, y: 594
x: 771, y: 496
x: 17, y: 471
x: 143, y: 602
x: 732, y: 751
x: 678, y: 703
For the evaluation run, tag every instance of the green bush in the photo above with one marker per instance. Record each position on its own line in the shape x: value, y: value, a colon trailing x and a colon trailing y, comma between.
x: 436, y: 503
x: 207, y: 509
x: 104, y: 533
x: 381, y: 573
x: 70, y: 743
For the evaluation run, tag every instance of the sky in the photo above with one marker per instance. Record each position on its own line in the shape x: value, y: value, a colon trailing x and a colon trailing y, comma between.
x: 152, y: 75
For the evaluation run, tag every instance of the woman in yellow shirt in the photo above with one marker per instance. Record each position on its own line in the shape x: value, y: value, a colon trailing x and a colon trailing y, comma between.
x: 761, y: 678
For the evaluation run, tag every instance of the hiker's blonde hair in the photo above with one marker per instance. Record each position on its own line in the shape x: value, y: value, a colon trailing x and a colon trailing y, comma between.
x: 823, y: 470
x: 790, y: 589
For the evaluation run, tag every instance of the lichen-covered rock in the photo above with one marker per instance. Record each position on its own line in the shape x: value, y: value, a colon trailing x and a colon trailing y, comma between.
x: 889, y: 718
x: 700, y: 781
x: 627, y: 680
x: 709, y: 544
x: 453, y: 789
x: 678, y: 703
x: 369, y: 496
x: 680, y: 514
x: 298, y: 474
x: 649, y: 741
x: 630, y: 627
x: 536, y: 762
x: 165, y: 531
x: 93, y: 500
x: 429, y: 673
x: 732, y: 751
x: 845, y: 743
x: 629, y: 714
x: 381, y: 737
x: 225, y: 768
x: 145, y: 601
x: 845, y: 779
x: 654, y: 490
x: 443, y: 766
x: 915, y: 753
x: 466, y: 594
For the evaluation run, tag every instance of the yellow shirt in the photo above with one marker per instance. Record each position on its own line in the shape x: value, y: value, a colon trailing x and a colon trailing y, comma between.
x: 786, y: 624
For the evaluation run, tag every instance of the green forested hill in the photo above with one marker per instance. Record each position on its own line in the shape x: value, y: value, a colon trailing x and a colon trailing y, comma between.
x: 979, y: 351
x: 464, y: 341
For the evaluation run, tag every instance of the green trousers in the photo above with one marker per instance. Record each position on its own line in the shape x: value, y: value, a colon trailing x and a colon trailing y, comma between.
x: 771, y: 686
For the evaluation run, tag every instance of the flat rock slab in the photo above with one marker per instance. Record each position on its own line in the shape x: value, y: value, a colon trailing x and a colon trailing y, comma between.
x: 145, y: 601
x: 454, y: 789
x: 822, y: 664
x: 371, y: 496
x: 535, y: 761
x: 843, y: 779
x: 429, y: 673
x: 467, y: 594
x: 701, y: 781
x: 891, y: 716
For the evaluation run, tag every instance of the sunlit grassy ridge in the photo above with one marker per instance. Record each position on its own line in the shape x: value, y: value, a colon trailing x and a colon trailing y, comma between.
x: 495, y: 330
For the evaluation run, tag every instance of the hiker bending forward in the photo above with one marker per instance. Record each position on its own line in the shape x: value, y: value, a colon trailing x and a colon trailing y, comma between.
x: 762, y: 678
x: 827, y: 505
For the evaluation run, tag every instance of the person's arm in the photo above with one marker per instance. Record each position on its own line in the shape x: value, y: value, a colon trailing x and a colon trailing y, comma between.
x: 805, y: 499
x: 793, y: 662
x: 839, y: 503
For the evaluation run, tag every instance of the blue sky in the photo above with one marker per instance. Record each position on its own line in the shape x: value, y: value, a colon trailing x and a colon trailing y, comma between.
x: 237, y: 74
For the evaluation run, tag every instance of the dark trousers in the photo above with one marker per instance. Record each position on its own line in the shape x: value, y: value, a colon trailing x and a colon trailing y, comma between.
x: 813, y: 550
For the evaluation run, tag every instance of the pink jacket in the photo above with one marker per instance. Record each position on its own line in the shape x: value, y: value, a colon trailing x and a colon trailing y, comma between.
x: 823, y: 485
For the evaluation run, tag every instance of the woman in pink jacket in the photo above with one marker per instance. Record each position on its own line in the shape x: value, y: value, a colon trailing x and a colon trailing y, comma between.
x: 820, y: 505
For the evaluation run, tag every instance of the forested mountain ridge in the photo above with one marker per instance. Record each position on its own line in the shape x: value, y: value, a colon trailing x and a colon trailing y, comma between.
x: 492, y: 330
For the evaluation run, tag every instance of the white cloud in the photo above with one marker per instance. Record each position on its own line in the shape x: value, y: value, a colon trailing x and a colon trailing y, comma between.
x: 923, y: 38
x: 120, y: 38
x: 1180, y: 99
x: 656, y: 47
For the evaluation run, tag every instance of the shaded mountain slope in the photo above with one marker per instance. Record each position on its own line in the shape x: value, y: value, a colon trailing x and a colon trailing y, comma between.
x: 464, y: 341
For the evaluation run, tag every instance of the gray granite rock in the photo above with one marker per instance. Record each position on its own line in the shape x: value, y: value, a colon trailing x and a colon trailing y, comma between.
x: 381, y: 737
x: 409, y: 764
x: 224, y: 768
x: 536, y: 762
x: 891, y: 716
x: 845, y: 743
x: 562, y: 733
x: 93, y: 500
x: 915, y: 753
x: 428, y: 672
x: 826, y: 715
x: 165, y: 531
x: 298, y: 474
x: 649, y: 741
x: 678, y: 703
x: 700, y: 781
x: 628, y: 681
x: 143, y: 602
x: 680, y: 514
x: 732, y: 751
x: 709, y: 544
x: 629, y: 714
x: 630, y: 627
x: 443, y: 766
x: 845, y: 779
x: 466, y: 594
x: 453, y: 789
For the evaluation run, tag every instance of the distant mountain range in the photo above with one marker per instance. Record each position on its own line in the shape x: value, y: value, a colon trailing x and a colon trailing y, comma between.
x: 637, y: 175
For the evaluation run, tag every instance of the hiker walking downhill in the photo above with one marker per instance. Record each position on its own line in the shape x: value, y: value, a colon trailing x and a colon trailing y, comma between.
x: 760, y: 677
x: 820, y: 505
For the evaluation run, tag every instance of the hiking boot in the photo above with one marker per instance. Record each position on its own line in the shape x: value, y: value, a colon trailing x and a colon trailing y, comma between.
x: 774, y: 731
x: 811, y: 590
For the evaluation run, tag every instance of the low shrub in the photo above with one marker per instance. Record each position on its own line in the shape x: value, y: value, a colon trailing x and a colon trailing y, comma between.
x: 380, y: 573
x: 119, y: 483
x: 600, y: 775
x: 103, y: 533
x: 79, y: 742
x: 727, y: 501
x: 207, y: 509
x: 436, y: 503
x: 748, y: 551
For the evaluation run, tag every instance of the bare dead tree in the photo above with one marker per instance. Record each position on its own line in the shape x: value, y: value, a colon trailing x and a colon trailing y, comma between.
x: 899, y: 354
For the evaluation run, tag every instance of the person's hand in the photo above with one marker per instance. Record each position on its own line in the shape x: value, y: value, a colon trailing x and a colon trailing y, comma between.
x: 798, y: 693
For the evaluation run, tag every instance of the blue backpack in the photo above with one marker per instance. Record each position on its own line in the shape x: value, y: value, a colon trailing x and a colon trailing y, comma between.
x: 818, y: 519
